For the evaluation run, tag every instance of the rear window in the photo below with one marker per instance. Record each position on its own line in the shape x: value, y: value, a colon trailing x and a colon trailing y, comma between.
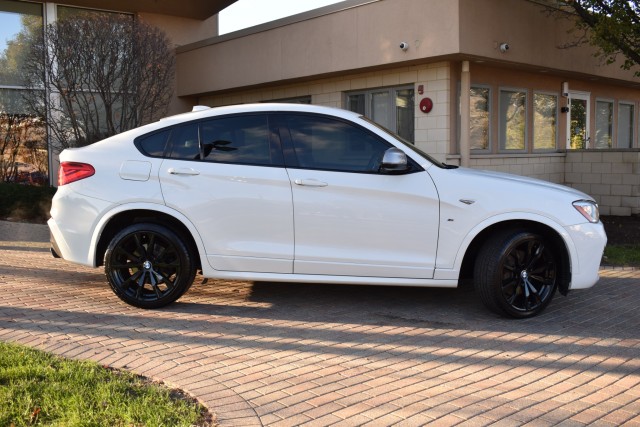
x: 153, y: 145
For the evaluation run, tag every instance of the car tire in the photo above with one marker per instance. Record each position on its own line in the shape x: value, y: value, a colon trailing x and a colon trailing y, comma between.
x: 149, y: 266
x: 516, y: 273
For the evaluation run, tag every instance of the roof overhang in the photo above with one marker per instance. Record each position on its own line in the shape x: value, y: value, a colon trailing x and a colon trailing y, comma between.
x: 194, y: 9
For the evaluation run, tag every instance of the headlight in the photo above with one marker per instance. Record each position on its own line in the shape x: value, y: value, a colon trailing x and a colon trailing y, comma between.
x: 588, y: 209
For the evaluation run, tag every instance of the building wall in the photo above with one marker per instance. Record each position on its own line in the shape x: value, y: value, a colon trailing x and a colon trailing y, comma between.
x: 612, y: 177
x: 536, y: 38
x: 549, y: 167
x: 367, y: 35
x: 181, y: 31
x: 432, y: 131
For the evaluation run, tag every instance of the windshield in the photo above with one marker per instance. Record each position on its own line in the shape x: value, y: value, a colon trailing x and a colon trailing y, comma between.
x: 409, y: 145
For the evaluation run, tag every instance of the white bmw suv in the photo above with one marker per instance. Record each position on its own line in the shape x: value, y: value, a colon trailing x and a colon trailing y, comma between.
x: 276, y: 192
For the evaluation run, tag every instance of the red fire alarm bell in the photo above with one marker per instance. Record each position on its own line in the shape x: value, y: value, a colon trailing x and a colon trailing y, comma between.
x: 426, y: 105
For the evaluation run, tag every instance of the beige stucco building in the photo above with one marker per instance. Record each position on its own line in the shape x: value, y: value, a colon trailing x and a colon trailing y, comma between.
x: 529, y: 107
x: 482, y: 83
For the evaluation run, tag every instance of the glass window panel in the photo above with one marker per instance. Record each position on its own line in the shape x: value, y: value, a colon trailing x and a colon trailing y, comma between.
x: 356, y: 103
x: 329, y: 144
x: 20, y: 26
x: 154, y: 144
x: 480, y: 113
x: 626, y: 114
x: 405, y: 116
x: 393, y: 109
x: 604, y: 124
x: 239, y: 140
x: 578, y: 125
x: 184, y: 142
x: 12, y: 102
x: 545, y: 113
x: 380, y: 109
x: 513, y: 120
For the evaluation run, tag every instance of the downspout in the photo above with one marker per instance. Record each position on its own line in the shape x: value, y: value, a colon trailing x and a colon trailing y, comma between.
x: 465, y: 114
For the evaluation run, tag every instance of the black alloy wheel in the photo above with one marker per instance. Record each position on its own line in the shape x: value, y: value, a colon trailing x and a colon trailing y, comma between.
x: 149, y: 266
x: 516, y: 274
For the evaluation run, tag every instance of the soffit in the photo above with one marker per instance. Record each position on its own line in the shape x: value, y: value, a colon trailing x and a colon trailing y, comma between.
x: 194, y: 9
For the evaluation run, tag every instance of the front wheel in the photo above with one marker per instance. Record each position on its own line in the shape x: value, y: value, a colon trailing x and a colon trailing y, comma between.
x: 516, y: 273
x: 149, y: 266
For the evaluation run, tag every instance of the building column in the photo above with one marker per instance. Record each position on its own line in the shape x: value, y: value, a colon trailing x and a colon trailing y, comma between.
x: 465, y: 114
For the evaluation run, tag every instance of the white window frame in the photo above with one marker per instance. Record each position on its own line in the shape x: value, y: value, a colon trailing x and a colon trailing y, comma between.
x: 583, y: 96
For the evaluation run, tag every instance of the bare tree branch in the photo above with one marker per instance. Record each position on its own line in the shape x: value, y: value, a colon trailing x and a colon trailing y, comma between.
x: 104, y: 73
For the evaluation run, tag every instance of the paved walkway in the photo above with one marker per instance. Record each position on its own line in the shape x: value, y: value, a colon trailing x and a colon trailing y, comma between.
x: 292, y: 354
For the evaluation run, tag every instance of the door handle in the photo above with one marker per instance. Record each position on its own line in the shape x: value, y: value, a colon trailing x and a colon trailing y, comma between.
x: 183, y: 171
x: 310, y: 183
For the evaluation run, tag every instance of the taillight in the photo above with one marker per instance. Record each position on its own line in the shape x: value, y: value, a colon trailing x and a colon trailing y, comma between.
x: 71, y: 171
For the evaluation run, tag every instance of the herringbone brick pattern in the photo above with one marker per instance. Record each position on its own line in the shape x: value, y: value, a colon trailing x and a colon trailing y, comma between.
x: 292, y: 354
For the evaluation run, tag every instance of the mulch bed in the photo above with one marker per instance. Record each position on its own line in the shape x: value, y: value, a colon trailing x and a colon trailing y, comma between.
x: 622, y: 230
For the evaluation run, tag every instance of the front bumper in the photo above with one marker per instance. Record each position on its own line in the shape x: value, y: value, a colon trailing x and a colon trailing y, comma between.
x: 589, y: 241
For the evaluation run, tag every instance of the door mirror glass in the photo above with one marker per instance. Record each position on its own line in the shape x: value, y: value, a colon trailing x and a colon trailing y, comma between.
x: 394, y: 161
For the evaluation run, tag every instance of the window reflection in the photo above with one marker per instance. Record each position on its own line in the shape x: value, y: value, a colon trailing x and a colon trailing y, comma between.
x: 20, y: 26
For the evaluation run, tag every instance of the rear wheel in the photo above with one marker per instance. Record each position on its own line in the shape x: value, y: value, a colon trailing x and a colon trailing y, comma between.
x: 149, y: 266
x: 516, y: 273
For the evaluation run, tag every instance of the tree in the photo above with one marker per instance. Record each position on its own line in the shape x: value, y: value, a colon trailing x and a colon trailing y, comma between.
x: 612, y: 26
x: 102, y: 73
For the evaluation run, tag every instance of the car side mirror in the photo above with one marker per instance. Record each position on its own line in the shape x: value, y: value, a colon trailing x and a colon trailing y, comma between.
x: 394, y: 161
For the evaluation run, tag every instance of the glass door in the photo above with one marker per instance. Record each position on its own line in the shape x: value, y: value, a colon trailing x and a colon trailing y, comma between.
x: 578, y: 121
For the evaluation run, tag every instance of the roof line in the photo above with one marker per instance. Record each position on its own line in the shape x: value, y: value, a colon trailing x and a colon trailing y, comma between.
x: 293, y: 19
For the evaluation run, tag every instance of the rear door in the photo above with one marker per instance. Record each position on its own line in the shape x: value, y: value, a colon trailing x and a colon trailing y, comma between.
x: 226, y: 175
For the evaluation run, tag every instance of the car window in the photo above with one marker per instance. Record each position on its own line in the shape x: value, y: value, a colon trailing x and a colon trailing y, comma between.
x: 184, y: 142
x: 154, y: 144
x: 330, y: 144
x: 239, y: 139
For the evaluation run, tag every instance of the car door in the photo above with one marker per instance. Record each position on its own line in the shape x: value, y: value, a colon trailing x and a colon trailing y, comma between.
x: 227, y: 176
x: 349, y: 218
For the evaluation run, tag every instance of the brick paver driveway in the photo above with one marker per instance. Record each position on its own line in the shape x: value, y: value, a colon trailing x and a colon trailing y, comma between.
x: 290, y: 354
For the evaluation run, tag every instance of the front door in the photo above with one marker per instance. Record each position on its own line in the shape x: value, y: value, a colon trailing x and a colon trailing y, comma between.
x: 351, y: 220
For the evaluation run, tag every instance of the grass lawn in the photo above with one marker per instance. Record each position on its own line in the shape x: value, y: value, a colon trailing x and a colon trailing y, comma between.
x: 37, y: 388
x: 622, y: 255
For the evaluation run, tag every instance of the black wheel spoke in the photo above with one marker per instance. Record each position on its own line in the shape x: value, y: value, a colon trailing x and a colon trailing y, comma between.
x: 139, y: 245
x: 127, y: 255
x: 127, y: 264
x: 166, y: 280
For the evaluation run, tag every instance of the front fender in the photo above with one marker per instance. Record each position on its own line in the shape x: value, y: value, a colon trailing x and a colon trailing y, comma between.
x: 452, y: 271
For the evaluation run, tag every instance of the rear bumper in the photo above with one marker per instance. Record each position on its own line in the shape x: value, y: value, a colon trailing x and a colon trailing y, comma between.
x: 55, y: 250
x: 72, y: 225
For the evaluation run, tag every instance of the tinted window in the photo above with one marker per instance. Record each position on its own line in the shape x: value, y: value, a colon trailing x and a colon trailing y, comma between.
x: 240, y: 139
x: 154, y: 144
x: 184, y: 142
x: 326, y: 143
